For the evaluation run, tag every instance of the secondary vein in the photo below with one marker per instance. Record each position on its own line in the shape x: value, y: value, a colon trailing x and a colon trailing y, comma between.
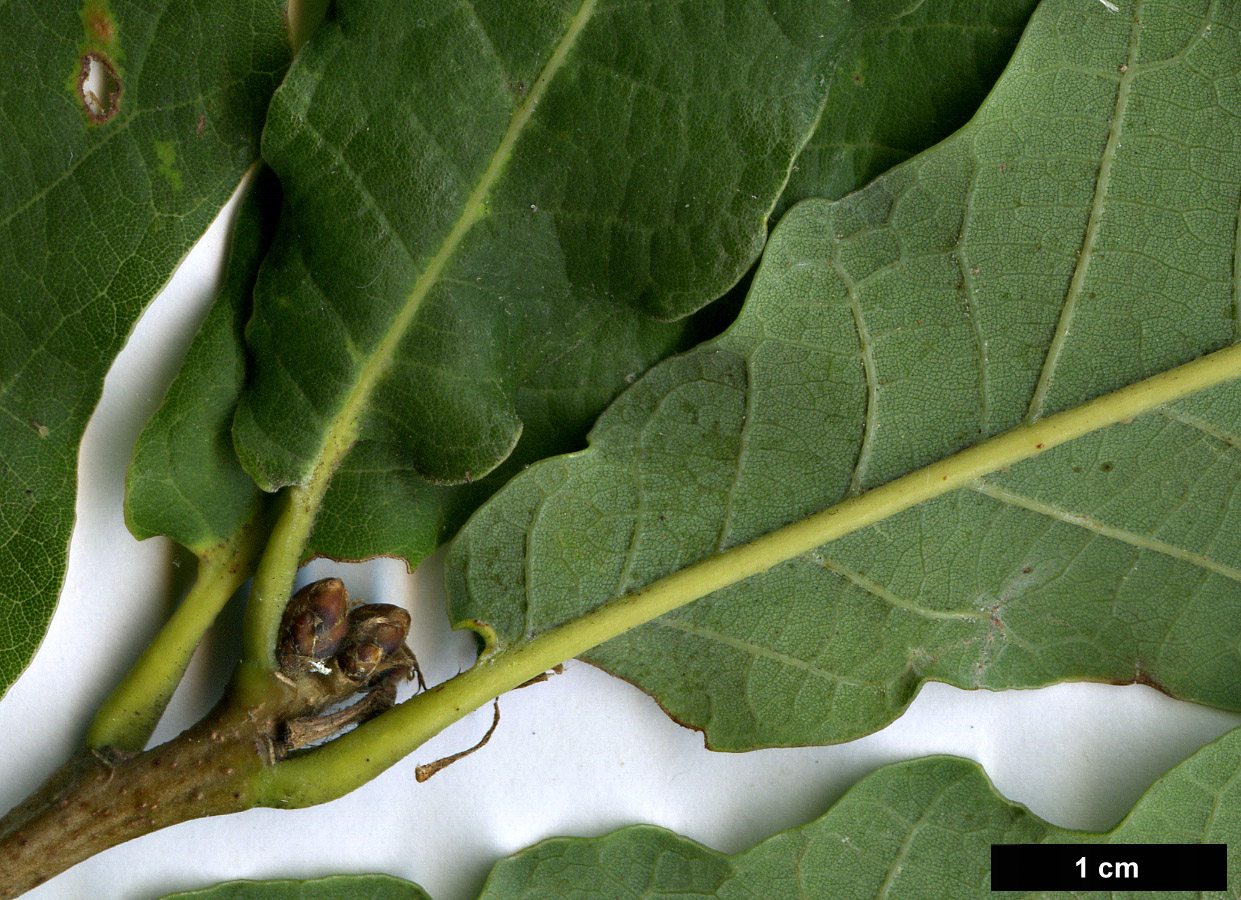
x: 1139, y: 541
x: 1080, y: 272
x: 866, y: 351
x: 378, y: 744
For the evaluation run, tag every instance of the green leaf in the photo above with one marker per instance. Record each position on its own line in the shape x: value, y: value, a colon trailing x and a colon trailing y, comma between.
x: 1076, y: 236
x: 896, y: 88
x: 919, y: 829
x: 489, y: 202
x: 901, y: 87
x: 379, y: 505
x: 101, y: 194
x: 336, y: 887
x: 185, y: 480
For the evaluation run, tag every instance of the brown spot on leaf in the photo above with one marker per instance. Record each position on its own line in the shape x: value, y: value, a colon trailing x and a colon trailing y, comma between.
x: 99, y: 25
x: 99, y: 87
x: 1141, y: 676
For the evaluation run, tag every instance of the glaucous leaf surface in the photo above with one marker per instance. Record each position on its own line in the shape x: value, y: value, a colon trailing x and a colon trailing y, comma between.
x: 494, y: 202
x: 124, y: 127
x: 1076, y: 236
x: 336, y: 887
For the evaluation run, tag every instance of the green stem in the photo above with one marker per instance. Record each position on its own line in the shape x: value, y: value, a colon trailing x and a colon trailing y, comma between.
x: 285, y: 552
x: 127, y: 718
x: 353, y: 759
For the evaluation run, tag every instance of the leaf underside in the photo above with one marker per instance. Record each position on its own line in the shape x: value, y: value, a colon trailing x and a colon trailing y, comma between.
x: 336, y: 887
x: 378, y: 503
x: 917, y: 830
x: 1077, y: 235
x: 479, y: 192
x: 100, y: 197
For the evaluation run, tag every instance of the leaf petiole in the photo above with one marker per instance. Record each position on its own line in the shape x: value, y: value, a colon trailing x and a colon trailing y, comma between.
x: 298, y: 508
x: 127, y: 718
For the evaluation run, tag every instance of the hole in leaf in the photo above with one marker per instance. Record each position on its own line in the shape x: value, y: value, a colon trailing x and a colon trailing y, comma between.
x: 99, y: 87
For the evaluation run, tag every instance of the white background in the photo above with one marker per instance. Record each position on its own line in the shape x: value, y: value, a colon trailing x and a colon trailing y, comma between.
x: 579, y: 755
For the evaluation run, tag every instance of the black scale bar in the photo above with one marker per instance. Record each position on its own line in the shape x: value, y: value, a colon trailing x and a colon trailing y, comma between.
x: 1148, y: 867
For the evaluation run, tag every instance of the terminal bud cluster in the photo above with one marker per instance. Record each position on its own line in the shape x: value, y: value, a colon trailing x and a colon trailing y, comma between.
x: 332, y: 650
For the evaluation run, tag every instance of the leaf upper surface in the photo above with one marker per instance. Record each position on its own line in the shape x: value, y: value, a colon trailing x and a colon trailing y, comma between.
x: 100, y: 197
x: 1068, y: 241
x: 902, y: 86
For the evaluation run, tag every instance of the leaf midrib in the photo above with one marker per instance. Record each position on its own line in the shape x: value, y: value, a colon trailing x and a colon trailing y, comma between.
x: 374, y: 746
x: 344, y: 428
x: 291, y: 533
x: 960, y: 470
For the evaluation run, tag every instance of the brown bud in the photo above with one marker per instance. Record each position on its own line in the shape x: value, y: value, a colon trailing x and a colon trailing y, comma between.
x: 314, y: 625
x: 376, y: 642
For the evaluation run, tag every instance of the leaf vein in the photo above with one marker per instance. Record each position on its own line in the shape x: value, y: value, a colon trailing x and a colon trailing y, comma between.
x: 1141, y: 542
x: 758, y: 651
x: 1093, y: 222
x: 343, y: 430
x: 742, y: 439
x: 967, y: 286
x: 897, y: 864
x: 866, y: 347
x: 1190, y: 421
x: 887, y: 595
x: 491, y: 44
